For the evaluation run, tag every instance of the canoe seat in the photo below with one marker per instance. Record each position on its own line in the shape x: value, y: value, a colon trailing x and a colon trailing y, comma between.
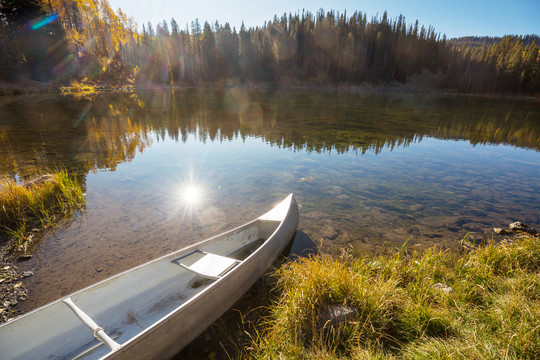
x: 211, y: 266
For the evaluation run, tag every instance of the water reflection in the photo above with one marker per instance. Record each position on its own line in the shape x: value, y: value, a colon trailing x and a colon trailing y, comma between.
x: 82, y: 135
x: 104, y: 131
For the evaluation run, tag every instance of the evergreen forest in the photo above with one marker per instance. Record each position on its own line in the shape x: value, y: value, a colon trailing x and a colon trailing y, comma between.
x: 65, y: 42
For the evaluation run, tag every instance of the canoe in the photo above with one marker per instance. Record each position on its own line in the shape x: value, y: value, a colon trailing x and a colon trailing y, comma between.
x: 154, y: 310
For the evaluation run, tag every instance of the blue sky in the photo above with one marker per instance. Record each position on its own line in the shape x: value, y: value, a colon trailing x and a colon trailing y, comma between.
x: 452, y: 17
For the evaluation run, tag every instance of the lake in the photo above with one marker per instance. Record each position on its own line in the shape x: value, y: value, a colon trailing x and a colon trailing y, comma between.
x: 369, y: 171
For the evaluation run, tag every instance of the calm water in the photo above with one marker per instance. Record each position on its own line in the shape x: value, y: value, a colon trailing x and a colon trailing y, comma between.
x: 369, y: 171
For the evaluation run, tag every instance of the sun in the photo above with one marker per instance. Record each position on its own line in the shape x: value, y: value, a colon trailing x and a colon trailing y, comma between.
x: 191, y: 195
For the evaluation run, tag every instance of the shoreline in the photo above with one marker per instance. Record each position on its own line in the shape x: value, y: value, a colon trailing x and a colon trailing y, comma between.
x: 28, y: 211
x: 35, y: 88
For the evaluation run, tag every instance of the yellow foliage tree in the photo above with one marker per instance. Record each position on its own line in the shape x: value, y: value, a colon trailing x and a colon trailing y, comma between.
x: 92, y: 27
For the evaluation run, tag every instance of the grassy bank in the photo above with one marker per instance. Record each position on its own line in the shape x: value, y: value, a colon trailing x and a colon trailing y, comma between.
x: 27, y: 209
x: 484, y: 304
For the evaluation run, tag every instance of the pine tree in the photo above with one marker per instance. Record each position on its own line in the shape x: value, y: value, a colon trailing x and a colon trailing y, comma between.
x: 175, y: 31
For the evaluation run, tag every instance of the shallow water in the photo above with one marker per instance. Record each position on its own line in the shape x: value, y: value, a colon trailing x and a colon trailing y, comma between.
x: 369, y: 171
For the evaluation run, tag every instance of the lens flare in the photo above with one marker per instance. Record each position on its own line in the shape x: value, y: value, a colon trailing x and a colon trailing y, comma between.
x: 41, y: 22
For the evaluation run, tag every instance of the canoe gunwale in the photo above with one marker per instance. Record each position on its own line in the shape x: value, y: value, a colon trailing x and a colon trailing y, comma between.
x: 272, y: 239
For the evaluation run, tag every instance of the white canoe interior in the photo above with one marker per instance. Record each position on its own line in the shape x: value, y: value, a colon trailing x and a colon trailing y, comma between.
x: 127, y: 304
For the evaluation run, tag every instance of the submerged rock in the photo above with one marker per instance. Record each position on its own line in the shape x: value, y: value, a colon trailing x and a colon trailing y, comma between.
x: 329, y: 232
x: 306, y: 179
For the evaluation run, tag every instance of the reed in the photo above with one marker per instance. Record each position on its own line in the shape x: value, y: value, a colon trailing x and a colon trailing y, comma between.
x: 484, y: 304
x: 27, y: 209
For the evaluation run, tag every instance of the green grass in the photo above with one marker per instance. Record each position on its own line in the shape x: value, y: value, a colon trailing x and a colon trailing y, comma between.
x: 25, y: 210
x: 492, y: 311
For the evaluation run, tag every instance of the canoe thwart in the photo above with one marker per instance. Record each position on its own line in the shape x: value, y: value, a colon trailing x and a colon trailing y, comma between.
x: 209, y: 265
x: 98, y: 331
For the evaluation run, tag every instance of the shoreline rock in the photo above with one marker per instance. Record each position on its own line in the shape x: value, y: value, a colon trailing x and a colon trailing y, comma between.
x: 502, y: 231
x: 334, y: 315
x: 516, y: 228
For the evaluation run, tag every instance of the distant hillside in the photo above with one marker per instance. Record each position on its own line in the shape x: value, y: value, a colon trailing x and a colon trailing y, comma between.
x: 489, y: 40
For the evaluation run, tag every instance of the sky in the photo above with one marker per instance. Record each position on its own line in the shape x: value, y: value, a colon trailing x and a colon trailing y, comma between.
x: 453, y: 18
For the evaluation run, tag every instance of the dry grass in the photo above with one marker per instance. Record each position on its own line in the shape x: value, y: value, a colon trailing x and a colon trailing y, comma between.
x: 27, y: 209
x: 491, y: 312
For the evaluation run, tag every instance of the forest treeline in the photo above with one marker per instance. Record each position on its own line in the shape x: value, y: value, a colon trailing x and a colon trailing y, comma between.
x: 85, y: 41
x: 490, y: 40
